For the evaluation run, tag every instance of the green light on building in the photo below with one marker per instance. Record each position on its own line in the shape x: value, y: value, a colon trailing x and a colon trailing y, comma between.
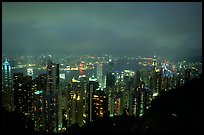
x: 39, y: 92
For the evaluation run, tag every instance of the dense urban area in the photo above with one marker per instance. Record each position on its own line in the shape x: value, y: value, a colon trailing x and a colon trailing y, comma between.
x: 102, y: 67
x: 87, y: 93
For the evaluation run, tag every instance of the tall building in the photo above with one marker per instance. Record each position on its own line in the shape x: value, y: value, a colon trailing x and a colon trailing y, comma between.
x: 110, y: 66
x: 110, y: 86
x: 30, y: 72
x: 117, y: 104
x: 93, y: 85
x: 110, y: 76
x: 100, y: 105
x: 41, y: 82
x: 139, y: 101
x: 39, y: 107
x: 18, y: 88
x: 84, y: 81
x: 158, y: 81
x: 40, y: 102
x: 7, y: 87
x: 110, y: 90
x: 64, y: 89
x: 129, y: 86
x: 99, y: 74
x: 154, y: 61
x: 153, y: 82
x: 110, y: 80
x: 24, y: 88
x: 53, y: 105
x: 75, y: 103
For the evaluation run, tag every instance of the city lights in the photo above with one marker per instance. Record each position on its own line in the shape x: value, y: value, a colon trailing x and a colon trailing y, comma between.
x: 77, y: 68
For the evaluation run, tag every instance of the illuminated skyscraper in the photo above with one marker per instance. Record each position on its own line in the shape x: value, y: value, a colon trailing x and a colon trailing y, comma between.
x: 41, y: 82
x: 99, y: 74
x: 24, y: 88
x: 117, y: 103
x: 100, y: 104
x: 7, y: 87
x: 158, y: 81
x: 139, y: 101
x: 110, y: 87
x: 18, y: 89
x: 75, y: 105
x: 40, y: 102
x: 64, y: 89
x: 93, y: 85
x: 110, y: 66
x: 84, y: 81
x: 53, y: 107
x: 153, y: 82
x: 129, y: 81
x: 30, y: 71
x: 154, y: 61
x: 39, y: 107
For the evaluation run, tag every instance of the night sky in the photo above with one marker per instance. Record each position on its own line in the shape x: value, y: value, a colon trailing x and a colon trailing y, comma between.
x: 132, y: 29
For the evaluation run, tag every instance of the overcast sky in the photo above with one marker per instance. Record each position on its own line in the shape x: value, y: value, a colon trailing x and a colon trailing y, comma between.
x: 145, y: 29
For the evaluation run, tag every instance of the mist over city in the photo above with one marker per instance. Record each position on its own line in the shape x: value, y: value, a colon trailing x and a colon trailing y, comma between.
x: 88, y: 67
x: 133, y: 29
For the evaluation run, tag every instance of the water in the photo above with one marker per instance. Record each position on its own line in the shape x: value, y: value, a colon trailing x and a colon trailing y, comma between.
x: 75, y: 73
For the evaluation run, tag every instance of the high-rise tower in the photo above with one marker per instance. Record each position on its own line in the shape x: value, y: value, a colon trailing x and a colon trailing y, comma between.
x: 99, y: 74
x: 53, y: 111
x: 93, y: 85
x: 7, y: 87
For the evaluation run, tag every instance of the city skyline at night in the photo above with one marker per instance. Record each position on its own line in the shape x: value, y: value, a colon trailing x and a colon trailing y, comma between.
x: 99, y: 67
x: 55, y: 98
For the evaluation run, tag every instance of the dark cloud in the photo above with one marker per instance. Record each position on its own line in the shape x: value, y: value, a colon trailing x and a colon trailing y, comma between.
x: 167, y: 29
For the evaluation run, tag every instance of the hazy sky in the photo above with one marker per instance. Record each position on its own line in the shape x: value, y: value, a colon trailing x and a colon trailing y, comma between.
x: 165, y: 29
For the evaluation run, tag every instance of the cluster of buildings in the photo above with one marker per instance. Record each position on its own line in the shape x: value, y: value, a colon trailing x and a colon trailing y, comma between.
x: 51, y: 102
x: 54, y: 104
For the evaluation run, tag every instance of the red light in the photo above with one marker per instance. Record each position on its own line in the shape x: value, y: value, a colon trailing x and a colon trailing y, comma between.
x: 81, y: 64
x: 81, y: 72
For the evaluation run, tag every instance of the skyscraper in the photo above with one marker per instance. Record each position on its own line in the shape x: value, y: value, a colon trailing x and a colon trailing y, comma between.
x: 53, y: 111
x: 39, y: 108
x: 64, y: 89
x: 93, y: 85
x: 139, y: 101
x: 84, y: 81
x: 18, y: 88
x: 7, y: 87
x: 24, y: 88
x: 75, y: 105
x: 100, y: 104
x: 158, y: 81
x: 99, y: 74
x: 30, y: 71
x: 39, y: 102
x: 154, y: 61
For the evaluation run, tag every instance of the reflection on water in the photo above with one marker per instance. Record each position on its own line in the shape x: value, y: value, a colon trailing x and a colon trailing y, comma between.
x: 118, y: 66
x: 75, y: 73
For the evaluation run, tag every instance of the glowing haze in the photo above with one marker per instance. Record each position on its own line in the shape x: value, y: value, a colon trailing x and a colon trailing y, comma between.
x: 166, y: 29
